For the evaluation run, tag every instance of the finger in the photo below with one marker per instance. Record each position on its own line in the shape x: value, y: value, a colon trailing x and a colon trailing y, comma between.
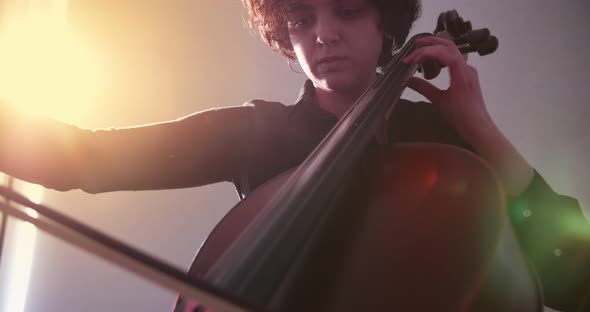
x: 432, y: 40
x: 447, y: 56
x: 461, y: 73
x: 425, y: 88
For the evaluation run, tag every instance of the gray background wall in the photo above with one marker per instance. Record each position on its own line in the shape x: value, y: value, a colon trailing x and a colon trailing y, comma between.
x: 165, y: 59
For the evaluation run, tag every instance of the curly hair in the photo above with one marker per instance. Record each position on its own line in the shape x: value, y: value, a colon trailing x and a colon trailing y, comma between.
x: 267, y: 16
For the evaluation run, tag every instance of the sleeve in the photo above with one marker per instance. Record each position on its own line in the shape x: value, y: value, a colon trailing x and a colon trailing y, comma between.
x: 552, y: 231
x: 194, y: 150
x: 555, y: 237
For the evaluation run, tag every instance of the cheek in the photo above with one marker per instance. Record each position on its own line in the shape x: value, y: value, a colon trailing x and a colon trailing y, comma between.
x: 303, y: 56
x: 366, y: 58
x: 378, y: 50
x: 372, y: 47
x: 373, y: 37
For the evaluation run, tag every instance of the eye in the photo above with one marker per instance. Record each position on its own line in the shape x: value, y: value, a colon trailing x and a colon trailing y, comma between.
x: 348, y: 12
x: 298, y: 23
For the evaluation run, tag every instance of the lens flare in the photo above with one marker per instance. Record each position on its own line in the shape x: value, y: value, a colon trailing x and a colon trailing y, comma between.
x: 47, y: 69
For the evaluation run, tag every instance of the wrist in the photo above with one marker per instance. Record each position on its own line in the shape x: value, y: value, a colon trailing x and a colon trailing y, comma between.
x: 513, y: 170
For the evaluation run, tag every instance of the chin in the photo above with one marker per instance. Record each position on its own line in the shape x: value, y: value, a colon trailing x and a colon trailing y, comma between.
x: 341, y: 82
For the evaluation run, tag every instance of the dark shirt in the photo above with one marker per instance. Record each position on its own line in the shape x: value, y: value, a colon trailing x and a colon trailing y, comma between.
x: 249, y: 144
x: 552, y: 231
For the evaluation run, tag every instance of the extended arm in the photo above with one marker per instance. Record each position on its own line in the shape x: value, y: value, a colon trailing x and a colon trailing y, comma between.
x: 198, y: 149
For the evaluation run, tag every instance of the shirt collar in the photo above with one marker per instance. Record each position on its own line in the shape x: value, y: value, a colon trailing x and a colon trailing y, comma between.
x: 306, y: 105
x: 306, y: 93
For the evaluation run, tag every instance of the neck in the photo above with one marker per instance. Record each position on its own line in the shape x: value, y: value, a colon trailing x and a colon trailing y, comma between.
x: 336, y: 102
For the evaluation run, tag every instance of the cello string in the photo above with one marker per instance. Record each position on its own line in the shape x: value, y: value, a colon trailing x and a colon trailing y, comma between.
x: 272, y: 217
x: 393, y: 63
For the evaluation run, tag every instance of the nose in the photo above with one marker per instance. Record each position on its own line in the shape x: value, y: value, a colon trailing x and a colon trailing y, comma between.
x: 327, y: 32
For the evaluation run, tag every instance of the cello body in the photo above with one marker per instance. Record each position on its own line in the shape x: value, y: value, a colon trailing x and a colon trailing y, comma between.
x: 421, y: 227
x: 360, y: 227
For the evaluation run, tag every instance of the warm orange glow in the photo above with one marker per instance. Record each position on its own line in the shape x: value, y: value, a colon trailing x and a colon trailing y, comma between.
x: 46, y: 69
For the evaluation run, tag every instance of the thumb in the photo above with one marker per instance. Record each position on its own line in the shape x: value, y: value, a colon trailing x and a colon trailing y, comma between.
x: 425, y: 88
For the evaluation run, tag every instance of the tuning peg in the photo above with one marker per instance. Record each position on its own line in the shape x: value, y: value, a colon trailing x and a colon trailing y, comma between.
x: 468, y: 26
x: 488, y: 47
x: 430, y: 69
x: 474, y: 37
x: 483, y: 48
x: 462, y: 33
x: 440, y: 23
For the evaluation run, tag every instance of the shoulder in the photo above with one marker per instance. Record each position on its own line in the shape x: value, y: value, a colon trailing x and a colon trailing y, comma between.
x: 268, y: 115
x: 267, y: 107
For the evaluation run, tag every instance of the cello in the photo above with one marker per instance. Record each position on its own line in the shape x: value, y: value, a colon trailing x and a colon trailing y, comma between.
x: 332, y: 234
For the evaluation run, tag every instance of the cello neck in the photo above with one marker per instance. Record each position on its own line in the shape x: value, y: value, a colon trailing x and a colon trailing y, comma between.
x: 255, y: 264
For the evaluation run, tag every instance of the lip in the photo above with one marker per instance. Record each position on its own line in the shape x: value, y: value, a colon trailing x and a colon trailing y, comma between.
x: 330, y: 59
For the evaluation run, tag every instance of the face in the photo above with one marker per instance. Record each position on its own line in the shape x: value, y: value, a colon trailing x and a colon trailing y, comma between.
x: 336, y: 42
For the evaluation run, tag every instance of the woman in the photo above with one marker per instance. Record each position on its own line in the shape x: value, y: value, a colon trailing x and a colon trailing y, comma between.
x: 339, y: 45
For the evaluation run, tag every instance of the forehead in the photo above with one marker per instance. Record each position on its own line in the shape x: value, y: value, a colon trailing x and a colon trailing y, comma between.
x: 310, y: 4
